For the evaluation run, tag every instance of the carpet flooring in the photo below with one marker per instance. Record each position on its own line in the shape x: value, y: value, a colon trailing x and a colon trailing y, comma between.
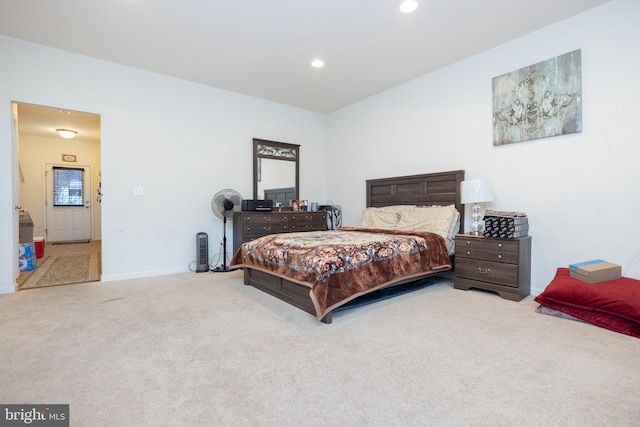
x: 206, y: 350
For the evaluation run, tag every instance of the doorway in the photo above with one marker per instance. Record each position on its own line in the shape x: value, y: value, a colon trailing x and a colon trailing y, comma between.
x: 59, y: 185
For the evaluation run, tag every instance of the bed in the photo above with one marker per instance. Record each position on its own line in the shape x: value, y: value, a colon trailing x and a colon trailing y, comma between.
x: 401, y: 255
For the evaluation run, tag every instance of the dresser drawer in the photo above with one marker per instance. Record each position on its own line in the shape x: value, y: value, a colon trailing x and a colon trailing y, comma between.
x: 249, y: 226
x: 487, y: 271
x: 264, y: 223
x: 308, y: 221
x: 264, y: 229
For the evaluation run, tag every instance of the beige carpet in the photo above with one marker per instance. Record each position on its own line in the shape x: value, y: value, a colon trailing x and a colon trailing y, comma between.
x: 203, y: 349
x: 63, y: 270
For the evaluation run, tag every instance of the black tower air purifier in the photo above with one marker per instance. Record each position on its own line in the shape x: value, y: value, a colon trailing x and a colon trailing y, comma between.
x: 202, y: 252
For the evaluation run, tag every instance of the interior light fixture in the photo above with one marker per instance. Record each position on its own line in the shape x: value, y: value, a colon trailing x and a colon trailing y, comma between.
x: 317, y: 63
x: 408, y: 6
x: 66, y: 133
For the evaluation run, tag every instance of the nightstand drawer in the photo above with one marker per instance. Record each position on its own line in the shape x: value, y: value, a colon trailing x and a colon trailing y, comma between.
x: 487, y: 271
x: 467, y: 244
x: 464, y: 244
x: 501, y: 245
x: 488, y: 255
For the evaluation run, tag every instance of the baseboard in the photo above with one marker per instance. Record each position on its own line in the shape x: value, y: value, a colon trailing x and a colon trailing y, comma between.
x: 8, y: 289
x: 142, y: 274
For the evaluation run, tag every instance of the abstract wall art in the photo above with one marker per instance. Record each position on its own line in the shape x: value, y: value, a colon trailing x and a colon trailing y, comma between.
x: 538, y: 101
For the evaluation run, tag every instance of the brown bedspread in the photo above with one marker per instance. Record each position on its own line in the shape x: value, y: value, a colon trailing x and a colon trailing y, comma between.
x: 340, y: 265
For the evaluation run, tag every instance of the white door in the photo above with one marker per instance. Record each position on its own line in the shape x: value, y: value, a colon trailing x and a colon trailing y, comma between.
x: 16, y: 189
x: 68, y: 202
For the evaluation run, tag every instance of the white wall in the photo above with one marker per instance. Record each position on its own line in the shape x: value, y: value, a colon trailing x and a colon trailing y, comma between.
x: 581, y: 191
x: 182, y: 141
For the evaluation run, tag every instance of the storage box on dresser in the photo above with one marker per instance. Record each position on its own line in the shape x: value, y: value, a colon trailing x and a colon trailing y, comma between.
x: 248, y: 226
x: 493, y: 264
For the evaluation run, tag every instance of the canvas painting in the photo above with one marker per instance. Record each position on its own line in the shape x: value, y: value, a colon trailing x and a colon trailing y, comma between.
x: 538, y: 101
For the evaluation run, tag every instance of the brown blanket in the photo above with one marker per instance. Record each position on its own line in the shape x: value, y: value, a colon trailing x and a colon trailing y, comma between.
x: 340, y: 265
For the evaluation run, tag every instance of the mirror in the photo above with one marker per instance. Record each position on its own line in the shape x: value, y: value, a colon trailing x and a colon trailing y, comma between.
x: 275, y: 171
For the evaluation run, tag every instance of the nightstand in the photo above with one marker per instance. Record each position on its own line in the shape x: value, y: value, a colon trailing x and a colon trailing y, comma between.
x: 498, y: 265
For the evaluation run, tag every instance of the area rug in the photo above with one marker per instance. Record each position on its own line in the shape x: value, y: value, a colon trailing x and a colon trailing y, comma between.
x: 64, y: 270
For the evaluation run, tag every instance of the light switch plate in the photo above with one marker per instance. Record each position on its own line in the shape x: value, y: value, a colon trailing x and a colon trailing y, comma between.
x: 138, y: 190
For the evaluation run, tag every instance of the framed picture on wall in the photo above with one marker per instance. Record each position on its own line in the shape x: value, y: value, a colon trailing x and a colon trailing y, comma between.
x: 538, y: 101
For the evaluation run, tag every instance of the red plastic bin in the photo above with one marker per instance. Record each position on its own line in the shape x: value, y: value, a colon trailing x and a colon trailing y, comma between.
x: 39, y: 244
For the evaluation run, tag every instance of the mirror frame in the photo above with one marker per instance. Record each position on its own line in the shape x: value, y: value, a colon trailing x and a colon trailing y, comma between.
x: 265, y: 149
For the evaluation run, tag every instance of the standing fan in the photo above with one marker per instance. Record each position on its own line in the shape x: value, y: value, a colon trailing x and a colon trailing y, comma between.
x: 223, y: 205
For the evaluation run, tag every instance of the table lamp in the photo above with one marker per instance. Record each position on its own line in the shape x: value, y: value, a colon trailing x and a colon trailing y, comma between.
x: 475, y: 191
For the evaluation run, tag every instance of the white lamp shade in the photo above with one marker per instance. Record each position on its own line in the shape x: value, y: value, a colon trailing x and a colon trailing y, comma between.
x: 475, y: 191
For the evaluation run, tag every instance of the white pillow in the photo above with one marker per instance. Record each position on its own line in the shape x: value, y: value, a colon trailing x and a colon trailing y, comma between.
x: 385, y: 217
x: 375, y: 218
x: 442, y: 220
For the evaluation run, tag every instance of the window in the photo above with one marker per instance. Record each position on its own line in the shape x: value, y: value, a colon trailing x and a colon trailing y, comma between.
x: 68, y: 186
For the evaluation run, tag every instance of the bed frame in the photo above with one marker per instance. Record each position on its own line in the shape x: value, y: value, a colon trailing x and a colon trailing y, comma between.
x: 441, y: 188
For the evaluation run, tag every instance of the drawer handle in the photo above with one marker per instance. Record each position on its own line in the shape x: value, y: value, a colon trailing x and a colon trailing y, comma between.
x: 468, y: 242
x: 499, y: 245
x: 265, y: 228
x: 309, y: 227
x: 485, y: 272
x: 309, y: 217
x: 499, y: 256
x: 468, y: 252
x: 266, y: 218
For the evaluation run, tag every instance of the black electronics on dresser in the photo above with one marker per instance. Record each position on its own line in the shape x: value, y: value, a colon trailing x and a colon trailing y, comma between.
x: 257, y: 205
x: 202, y: 252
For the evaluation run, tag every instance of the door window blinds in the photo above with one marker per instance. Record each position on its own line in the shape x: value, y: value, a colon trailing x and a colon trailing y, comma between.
x: 68, y: 186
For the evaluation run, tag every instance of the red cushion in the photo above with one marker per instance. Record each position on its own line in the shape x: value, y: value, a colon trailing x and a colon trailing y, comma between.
x: 614, y: 304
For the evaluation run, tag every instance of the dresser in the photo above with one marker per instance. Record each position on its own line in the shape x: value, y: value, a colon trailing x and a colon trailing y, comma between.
x: 248, y: 226
x: 498, y: 265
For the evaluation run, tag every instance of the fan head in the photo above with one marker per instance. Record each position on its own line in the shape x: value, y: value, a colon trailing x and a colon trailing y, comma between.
x: 225, y: 203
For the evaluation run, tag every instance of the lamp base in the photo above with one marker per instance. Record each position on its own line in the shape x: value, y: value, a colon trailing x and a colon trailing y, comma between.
x: 477, y: 226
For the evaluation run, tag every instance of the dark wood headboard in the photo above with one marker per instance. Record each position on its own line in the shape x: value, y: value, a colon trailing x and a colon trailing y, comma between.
x: 441, y: 188
x: 280, y: 195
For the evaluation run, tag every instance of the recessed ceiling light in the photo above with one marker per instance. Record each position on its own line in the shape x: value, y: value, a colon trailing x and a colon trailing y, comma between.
x: 317, y: 63
x: 408, y: 6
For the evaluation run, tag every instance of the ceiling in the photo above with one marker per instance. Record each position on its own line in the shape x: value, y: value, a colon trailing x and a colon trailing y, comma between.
x: 263, y: 48
x: 43, y: 121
